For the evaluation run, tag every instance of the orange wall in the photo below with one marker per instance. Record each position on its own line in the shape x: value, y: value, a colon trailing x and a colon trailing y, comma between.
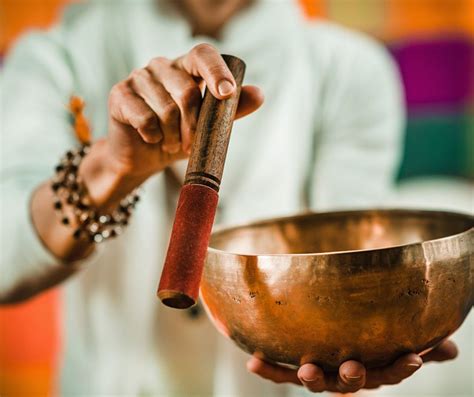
x: 29, y: 346
x: 29, y: 332
x: 17, y: 15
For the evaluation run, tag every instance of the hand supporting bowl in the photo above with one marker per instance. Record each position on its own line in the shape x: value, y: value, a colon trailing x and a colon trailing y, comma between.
x: 329, y: 287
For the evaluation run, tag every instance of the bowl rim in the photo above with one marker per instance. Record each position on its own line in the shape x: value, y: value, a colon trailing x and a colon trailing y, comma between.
x: 413, y: 211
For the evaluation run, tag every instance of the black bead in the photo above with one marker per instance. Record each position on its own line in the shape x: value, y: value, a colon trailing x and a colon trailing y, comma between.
x: 74, y: 186
x: 69, y: 155
x: 59, y: 168
x: 124, y: 222
x: 65, y: 221
x: 58, y: 205
x: 77, y: 233
x: 113, y: 233
x: 55, y: 186
x: 69, y: 200
x: 72, y: 168
x: 82, y: 206
x: 136, y: 199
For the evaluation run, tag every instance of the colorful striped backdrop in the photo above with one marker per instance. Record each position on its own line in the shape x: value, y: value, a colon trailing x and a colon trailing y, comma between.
x: 432, y: 41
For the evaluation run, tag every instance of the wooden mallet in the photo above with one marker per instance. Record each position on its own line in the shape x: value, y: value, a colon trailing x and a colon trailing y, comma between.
x: 197, y: 204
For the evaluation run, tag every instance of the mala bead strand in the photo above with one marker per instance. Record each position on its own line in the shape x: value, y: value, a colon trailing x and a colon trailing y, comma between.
x: 70, y: 191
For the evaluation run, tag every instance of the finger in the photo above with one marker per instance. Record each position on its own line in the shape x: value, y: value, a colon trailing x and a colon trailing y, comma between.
x: 160, y: 101
x: 312, y: 377
x: 271, y: 372
x: 128, y: 108
x: 393, y: 374
x: 204, y: 61
x: 446, y: 350
x: 251, y: 98
x: 185, y: 93
x: 351, y: 377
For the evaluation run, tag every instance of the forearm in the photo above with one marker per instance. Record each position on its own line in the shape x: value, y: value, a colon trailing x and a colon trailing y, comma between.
x: 106, y: 186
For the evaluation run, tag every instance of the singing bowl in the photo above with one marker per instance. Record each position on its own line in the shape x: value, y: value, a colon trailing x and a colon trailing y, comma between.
x: 329, y: 287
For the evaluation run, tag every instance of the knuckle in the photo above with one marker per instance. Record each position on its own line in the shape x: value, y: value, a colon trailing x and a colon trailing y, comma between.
x: 145, y: 121
x: 139, y: 74
x: 151, y: 138
x: 189, y: 95
x: 218, y: 70
x: 202, y: 49
x: 169, y: 112
x: 117, y: 92
x: 159, y: 62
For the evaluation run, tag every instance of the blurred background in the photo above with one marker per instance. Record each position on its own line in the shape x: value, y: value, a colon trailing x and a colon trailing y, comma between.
x: 432, y: 41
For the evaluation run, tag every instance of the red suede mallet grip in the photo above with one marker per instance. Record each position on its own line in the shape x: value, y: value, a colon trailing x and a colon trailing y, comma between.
x: 179, y: 284
x: 182, y: 271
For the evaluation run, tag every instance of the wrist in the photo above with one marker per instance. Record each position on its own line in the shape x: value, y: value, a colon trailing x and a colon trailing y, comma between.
x: 107, y: 182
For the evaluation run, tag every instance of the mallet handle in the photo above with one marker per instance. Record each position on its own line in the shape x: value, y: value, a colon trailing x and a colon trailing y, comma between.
x: 206, y: 163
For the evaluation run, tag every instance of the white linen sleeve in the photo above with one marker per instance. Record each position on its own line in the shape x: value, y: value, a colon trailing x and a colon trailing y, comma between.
x: 36, y: 83
x: 359, y: 142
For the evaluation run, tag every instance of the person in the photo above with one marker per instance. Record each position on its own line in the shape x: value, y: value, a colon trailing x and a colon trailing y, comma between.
x: 327, y: 137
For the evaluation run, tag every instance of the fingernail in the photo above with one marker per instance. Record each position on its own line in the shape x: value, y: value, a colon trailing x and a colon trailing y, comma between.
x: 225, y: 87
x: 172, y: 148
x: 353, y: 379
x: 309, y: 380
x: 309, y: 375
x: 413, y: 365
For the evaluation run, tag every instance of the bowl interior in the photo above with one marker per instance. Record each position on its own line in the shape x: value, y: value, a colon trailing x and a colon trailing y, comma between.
x: 340, y: 231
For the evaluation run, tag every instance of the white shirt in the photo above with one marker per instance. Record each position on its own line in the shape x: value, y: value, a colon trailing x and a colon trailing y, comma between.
x: 328, y: 136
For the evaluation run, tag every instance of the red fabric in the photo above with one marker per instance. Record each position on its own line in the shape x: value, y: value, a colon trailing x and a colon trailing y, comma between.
x: 188, y: 244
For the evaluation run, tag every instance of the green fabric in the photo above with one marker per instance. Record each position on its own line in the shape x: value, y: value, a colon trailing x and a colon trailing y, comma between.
x: 470, y: 145
x: 439, y: 145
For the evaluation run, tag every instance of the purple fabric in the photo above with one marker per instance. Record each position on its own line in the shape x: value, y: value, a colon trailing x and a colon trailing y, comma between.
x: 437, y: 72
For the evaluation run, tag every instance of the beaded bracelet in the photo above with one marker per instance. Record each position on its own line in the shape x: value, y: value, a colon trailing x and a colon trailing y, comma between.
x: 69, y: 189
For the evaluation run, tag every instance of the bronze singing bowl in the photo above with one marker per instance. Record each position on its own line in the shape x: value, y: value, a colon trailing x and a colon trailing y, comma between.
x: 329, y: 287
